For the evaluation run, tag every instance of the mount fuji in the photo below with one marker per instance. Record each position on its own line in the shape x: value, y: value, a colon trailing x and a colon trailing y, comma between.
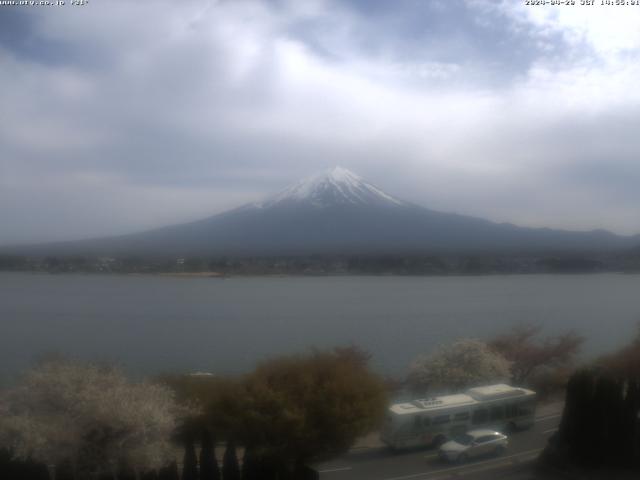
x: 335, y: 187
x: 338, y: 212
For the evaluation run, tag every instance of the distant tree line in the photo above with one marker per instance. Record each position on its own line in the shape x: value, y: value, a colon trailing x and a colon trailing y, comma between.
x: 373, y: 264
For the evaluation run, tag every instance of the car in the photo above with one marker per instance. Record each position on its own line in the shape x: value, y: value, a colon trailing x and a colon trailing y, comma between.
x: 475, y: 443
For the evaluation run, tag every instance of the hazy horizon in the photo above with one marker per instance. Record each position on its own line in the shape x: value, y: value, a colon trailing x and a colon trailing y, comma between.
x: 123, y: 117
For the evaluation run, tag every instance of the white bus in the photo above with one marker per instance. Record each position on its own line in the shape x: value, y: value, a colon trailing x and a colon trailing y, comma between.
x: 432, y: 421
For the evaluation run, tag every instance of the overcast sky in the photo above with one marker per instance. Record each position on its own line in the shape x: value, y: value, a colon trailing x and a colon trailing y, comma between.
x: 124, y: 115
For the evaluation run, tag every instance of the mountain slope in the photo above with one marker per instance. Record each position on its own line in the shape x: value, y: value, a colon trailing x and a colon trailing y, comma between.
x: 338, y: 212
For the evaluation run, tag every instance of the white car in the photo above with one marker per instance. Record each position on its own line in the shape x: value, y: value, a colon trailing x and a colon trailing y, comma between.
x: 475, y: 443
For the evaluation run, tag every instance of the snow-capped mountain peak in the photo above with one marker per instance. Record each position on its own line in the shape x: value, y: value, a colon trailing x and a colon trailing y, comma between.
x: 336, y: 186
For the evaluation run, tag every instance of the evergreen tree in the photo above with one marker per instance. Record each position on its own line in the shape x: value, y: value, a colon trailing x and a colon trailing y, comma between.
x: 575, y: 426
x: 303, y: 472
x: 209, y: 469
x: 617, y: 427
x: 600, y: 424
x: 190, y: 461
x: 230, y: 467
x: 6, y: 464
x: 168, y: 472
x: 39, y: 471
x: 629, y: 424
x: 19, y: 469
x: 28, y: 469
x: 270, y: 468
x: 632, y: 433
x: 126, y: 472
x: 64, y: 471
x: 603, y: 440
x: 250, y: 466
x: 149, y: 475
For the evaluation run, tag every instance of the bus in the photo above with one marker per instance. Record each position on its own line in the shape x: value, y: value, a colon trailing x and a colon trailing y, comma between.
x: 432, y: 421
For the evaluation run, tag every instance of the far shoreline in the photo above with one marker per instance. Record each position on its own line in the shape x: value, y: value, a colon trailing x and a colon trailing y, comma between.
x: 223, y: 276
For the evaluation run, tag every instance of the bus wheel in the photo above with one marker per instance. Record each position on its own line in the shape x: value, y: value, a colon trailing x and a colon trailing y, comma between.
x: 439, y: 440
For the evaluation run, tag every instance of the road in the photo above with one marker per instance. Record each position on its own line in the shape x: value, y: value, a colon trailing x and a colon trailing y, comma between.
x: 382, y: 464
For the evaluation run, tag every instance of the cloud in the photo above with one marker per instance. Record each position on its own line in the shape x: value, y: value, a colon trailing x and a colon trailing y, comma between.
x: 186, y: 109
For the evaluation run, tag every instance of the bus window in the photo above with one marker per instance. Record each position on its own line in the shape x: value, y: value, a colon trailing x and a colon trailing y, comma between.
x: 497, y: 412
x: 480, y: 416
x: 526, y: 409
x: 511, y: 410
x: 417, y: 423
x: 441, y: 419
x: 462, y: 416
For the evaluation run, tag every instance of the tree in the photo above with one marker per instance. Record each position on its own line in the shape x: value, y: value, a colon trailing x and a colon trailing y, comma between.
x: 599, y: 425
x: 230, y: 466
x: 300, y: 408
x: 606, y: 409
x: 209, y: 469
x: 214, y: 403
x: 462, y: 364
x: 528, y: 354
x: 6, y: 464
x: 190, y: 461
x: 575, y: 434
x: 632, y: 423
x: 12, y: 468
x: 90, y: 418
x: 250, y: 466
x: 168, y: 472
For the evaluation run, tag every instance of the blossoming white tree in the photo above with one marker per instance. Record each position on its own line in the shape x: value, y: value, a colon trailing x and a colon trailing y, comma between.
x: 462, y: 364
x: 91, y: 417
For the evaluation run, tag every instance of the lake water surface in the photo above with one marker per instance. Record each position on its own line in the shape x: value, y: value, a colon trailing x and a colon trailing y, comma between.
x: 149, y: 324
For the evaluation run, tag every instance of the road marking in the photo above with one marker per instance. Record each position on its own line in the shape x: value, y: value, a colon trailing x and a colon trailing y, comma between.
x: 485, y: 468
x: 470, y: 467
x: 549, y: 431
x: 331, y: 470
x: 547, y: 417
